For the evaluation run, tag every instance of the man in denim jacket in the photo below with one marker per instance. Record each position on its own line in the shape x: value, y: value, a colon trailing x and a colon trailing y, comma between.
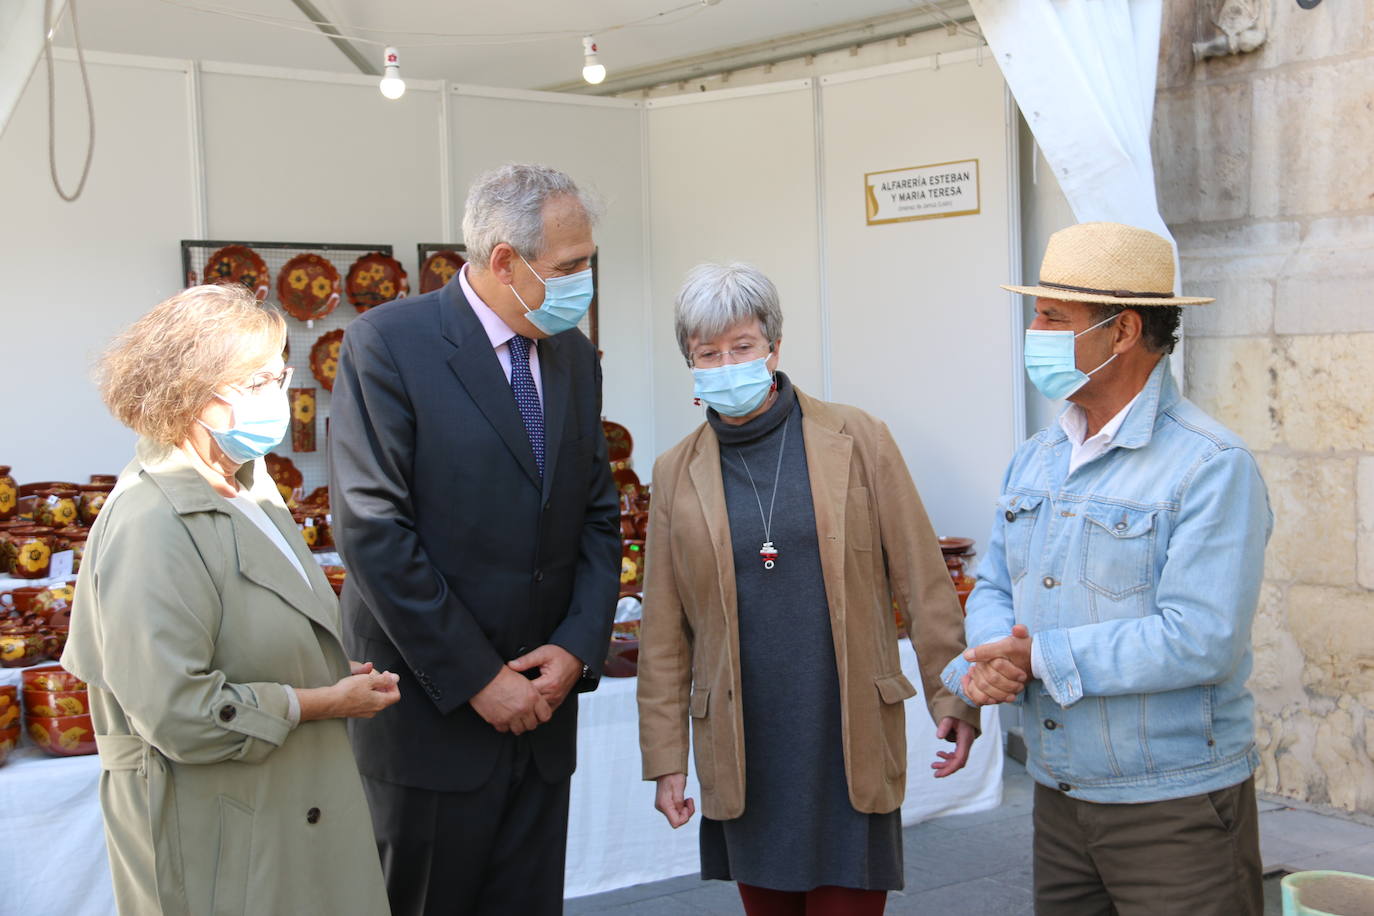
x: 1116, y: 599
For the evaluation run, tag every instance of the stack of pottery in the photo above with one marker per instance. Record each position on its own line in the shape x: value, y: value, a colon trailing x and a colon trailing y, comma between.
x: 9, y: 720
x: 958, y: 552
x: 47, y: 518
x: 33, y: 624
x: 57, y: 712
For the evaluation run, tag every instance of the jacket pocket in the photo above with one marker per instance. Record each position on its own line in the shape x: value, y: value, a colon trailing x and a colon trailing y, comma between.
x: 233, y: 858
x: 858, y: 524
x: 1019, y: 514
x: 703, y: 747
x: 892, y: 690
x: 1118, y: 550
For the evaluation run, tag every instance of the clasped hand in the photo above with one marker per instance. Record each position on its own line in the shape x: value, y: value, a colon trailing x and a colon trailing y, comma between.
x: 513, y: 703
x: 1000, y: 668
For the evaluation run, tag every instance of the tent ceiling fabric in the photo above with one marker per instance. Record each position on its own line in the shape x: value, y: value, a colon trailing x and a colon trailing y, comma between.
x: 179, y: 28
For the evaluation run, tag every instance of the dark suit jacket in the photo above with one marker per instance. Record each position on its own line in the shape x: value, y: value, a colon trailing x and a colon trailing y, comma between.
x: 459, y: 557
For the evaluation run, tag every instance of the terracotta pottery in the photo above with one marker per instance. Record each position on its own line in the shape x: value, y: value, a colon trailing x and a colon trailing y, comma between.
x: 53, y: 679
x: 9, y: 493
x: 55, y: 599
x: 57, y: 506
x: 9, y: 740
x: 53, y: 705
x: 33, y: 549
x: 438, y: 269
x: 67, y: 736
x: 324, y: 357
x: 20, y: 598
x: 239, y: 264
x: 93, y: 496
x: 9, y: 707
x: 958, y: 552
x: 20, y: 647
x: 631, y: 568
x: 302, y: 419
x: 308, y: 287
x: 373, y: 279
x: 111, y: 479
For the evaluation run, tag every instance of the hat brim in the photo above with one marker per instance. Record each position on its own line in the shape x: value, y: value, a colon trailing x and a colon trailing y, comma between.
x: 1065, y: 295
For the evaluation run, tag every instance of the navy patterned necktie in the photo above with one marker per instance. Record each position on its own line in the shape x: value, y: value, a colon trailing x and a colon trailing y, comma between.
x: 527, y: 396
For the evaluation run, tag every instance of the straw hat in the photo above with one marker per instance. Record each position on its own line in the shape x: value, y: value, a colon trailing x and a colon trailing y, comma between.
x: 1108, y: 263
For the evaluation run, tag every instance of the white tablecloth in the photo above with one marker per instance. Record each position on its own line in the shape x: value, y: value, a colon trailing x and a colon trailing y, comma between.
x: 57, y: 863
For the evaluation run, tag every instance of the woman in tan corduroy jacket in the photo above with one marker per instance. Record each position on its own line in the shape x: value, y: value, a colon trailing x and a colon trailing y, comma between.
x: 779, y: 533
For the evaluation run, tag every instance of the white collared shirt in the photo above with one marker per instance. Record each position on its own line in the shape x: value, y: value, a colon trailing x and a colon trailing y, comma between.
x: 1074, y: 422
x: 499, y: 333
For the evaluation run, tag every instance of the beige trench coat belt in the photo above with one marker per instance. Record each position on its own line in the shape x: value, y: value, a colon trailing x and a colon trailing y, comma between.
x: 130, y: 752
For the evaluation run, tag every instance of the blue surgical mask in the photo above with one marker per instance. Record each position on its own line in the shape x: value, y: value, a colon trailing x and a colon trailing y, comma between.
x: 1052, y: 363
x: 734, y: 389
x: 566, y: 300
x: 260, y: 423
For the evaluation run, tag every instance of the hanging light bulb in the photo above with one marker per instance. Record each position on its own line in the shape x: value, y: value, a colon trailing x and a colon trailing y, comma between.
x: 592, y: 70
x: 392, y: 86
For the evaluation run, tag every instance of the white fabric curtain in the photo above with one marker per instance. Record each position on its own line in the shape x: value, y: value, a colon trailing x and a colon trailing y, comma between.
x: 21, y: 43
x: 1083, y: 73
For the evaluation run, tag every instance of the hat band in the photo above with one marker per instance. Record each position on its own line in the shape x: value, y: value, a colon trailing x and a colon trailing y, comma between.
x: 1114, y: 293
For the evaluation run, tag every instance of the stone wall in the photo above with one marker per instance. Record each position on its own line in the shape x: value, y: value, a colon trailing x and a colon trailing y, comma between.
x: 1265, y: 164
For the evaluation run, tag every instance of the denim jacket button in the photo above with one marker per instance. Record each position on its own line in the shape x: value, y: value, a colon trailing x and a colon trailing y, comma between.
x: 1011, y: 516
x: 1051, y: 724
x: 1048, y: 582
x: 1065, y: 787
x: 1120, y: 526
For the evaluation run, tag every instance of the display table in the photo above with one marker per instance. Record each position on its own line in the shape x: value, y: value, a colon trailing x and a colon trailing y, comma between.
x: 50, y: 810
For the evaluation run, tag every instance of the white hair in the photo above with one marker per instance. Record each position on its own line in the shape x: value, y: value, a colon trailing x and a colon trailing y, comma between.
x: 716, y: 297
x: 507, y: 205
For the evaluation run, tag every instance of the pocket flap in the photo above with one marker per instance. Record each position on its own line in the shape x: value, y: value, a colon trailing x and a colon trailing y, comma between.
x: 1121, y: 522
x: 701, y: 698
x: 894, y: 688
x: 1020, y: 503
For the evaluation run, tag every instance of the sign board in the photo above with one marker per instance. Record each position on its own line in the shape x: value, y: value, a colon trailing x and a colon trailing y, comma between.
x: 922, y: 192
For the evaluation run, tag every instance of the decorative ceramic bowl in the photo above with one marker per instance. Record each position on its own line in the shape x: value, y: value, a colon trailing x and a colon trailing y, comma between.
x: 52, y: 679
x: 67, y: 736
x: 9, y: 707
x: 21, y: 647
x: 9, y: 740
x: 40, y: 704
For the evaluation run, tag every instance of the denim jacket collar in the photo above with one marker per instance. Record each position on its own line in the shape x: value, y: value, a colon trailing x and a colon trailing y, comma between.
x: 1159, y: 394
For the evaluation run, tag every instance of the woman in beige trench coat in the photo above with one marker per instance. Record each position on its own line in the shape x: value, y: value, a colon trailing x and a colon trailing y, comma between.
x: 210, y: 640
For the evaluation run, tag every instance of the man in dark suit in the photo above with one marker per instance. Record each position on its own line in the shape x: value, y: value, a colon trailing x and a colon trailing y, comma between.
x: 474, y: 508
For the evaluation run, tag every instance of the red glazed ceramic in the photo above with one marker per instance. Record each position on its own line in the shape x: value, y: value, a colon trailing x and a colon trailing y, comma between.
x: 67, y: 736
x: 239, y: 264
x: 40, y: 704
x: 308, y: 287
x: 20, y: 647
x: 32, y: 550
x: 302, y: 419
x: 9, y: 707
x: 52, y: 678
x: 9, y: 740
x: 324, y: 358
x: 9, y: 493
x: 438, y: 269
x: 111, y: 479
x: 93, y: 496
x: 57, y: 506
x: 375, y: 278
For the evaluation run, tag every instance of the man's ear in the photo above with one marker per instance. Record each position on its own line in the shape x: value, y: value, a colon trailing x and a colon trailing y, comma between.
x: 1129, y: 328
x: 501, y: 263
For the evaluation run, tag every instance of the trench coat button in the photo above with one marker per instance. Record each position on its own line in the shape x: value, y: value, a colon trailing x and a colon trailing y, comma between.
x: 1065, y: 787
x: 1048, y: 582
x: 729, y: 693
x: 539, y: 575
x: 227, y: 713
x: 1051, y: 724
x: 546, y: 506
x: 312, y: 816
x: 1011, y: 516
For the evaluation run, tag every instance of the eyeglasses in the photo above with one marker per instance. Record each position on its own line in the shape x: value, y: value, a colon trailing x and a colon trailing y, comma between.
x: 264, y: 382
x: 743, y: 352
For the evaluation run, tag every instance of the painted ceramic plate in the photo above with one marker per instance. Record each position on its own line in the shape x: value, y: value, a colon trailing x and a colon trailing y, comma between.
x: 324, y: 358
x: 618, y: 441
x: 627, y: 482
x: 375, y: 278
x: 285, y: 475
x: 239, y: 264
x: 308, y: 287
x: 438, y: 269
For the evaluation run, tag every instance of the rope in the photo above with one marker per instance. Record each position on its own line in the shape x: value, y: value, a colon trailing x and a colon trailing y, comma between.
x: 52, y: 103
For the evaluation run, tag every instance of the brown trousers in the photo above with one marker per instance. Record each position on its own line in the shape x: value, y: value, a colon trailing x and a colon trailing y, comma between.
x: 1197, y: 855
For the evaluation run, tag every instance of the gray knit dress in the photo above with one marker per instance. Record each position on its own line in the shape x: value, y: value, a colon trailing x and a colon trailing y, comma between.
x: 798, y: 830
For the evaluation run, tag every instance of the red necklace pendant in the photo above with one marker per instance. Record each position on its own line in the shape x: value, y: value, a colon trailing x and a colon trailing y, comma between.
x: 769, y: 554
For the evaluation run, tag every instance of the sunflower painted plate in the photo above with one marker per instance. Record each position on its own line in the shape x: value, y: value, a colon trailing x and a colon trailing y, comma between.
x: 324, y: 358
x: 308, y: 287
x: 238, y: 264
x: 375, y: 278
x: 285, y: 475
x: 618, y: 441
x: 438, y: 269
